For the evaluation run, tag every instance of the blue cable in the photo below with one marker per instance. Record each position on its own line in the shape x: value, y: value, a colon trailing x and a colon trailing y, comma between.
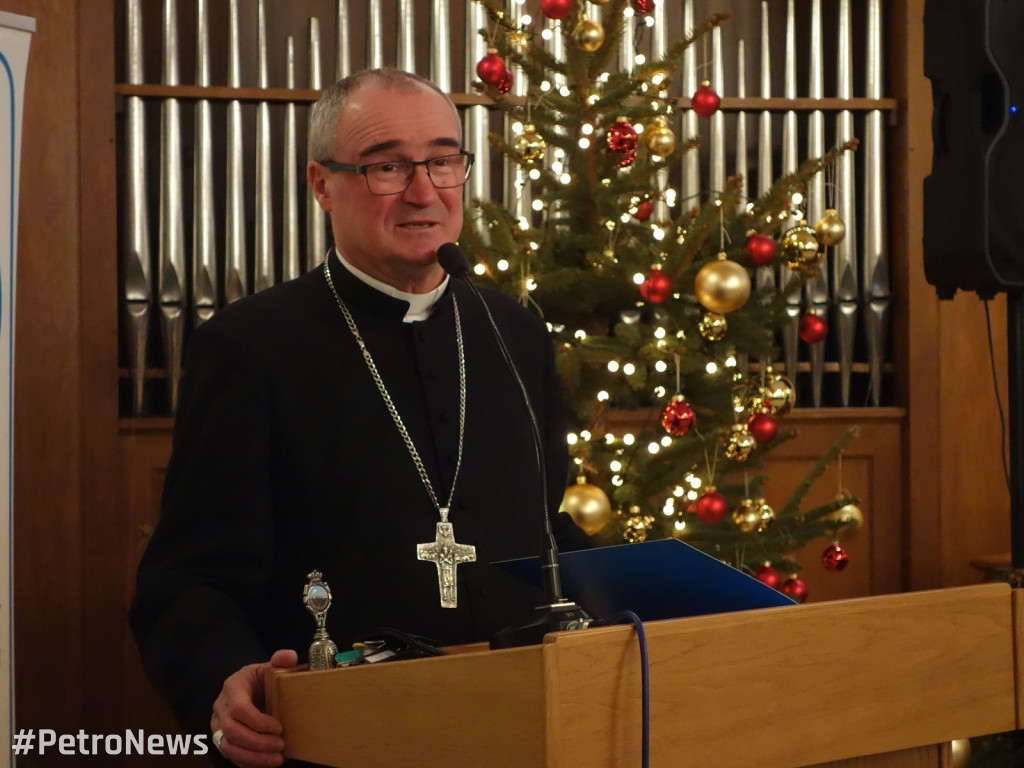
x: 628, y: 617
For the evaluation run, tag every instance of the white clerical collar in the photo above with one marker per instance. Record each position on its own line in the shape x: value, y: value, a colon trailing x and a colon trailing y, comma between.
x: 420, y: 304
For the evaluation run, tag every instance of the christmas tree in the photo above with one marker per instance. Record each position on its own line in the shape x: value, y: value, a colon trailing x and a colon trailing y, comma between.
x: 654, y: 303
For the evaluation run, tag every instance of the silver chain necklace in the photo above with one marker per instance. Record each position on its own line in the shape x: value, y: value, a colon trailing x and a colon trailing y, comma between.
x: 444, y: 551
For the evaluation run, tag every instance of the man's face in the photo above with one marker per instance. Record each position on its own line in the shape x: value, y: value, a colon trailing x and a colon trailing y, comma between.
x: 392, y: 237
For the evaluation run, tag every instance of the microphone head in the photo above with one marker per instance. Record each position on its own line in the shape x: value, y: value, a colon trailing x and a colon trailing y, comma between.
x: 452, y: 260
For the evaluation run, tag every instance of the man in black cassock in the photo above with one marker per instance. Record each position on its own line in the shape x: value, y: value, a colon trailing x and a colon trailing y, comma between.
x: 287, y: 459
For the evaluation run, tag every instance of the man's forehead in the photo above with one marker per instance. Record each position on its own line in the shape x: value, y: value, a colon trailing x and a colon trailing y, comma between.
x: 380, y: 112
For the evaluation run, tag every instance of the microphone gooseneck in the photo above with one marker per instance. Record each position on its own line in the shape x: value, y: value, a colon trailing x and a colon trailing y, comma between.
x: 558, y: 613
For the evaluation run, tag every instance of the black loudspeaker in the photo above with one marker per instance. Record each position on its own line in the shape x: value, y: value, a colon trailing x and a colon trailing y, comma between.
x: 974, y: 197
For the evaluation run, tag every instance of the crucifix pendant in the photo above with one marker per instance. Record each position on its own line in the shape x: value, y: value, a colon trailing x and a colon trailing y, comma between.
x: 445, y: 553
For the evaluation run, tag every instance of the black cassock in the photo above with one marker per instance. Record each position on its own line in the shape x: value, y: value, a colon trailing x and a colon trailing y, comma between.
x: 286, y: 460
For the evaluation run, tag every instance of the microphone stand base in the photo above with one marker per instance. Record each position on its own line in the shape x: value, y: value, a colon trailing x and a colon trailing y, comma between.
x: 557, y: 617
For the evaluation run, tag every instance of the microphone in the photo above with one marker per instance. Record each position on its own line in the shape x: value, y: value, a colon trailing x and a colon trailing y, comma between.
x: 558, y: 613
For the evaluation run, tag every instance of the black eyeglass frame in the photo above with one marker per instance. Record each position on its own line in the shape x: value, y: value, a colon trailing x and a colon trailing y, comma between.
x: 334, y: 165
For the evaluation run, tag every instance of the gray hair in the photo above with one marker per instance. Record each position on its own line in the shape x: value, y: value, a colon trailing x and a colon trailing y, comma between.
x: 325, y: 113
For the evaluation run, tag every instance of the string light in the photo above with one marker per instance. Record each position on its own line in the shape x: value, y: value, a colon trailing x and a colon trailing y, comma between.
x: 661, y: 366
x: 609, y: 438
x: 628, y: 439
x: 526, y: 20
x: 534, y: 174
x: 613, y: 365
x: 545, y: 86
x: 537, y: 205
x: 572, y: 438
x: 658, y: 233
x: 659, y: 391
x: 580, y: 335
x: 602, y: 396
x: 503, y: 265
x: 797, y: 198
x: 629, y: 369
x: 531, y: 284
x: 666, y: 441
x: 585, y: 434
x: 678, y: 491
x: 586, y: 129
x: 480, y: 269
x: 617, y: 480
x: 615, y: 466
x: 584, y: 142
x: 639, y: 278
x: 711, y: 367
x: 680, y: 525
x: 547, y: 34
x: 653, y: 448
x: 517, y: 127
x: 659, y: 333
x: 730, y: 361
x: 565, y: 178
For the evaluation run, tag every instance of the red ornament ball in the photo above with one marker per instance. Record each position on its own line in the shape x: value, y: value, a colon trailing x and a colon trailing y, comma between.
x: 491, y: 68
x: 712, y: 507
x: 813, y: 328
x: 642, y: 6
x: 657, y: 287
x: 795, y: 588
x: 622, y: 137
x: 644, y: 209
x: 678, y: 417
x: 760, y: 248
x: 625, y: 158
x: 763, y: 427
x: 557, y: 9
x: 768, y: 575
x: 705, y: 101
x: 506, y: 82
x: 834, y: 558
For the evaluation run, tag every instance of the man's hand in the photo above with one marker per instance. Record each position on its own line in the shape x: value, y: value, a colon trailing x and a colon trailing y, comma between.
x: 251, y: 738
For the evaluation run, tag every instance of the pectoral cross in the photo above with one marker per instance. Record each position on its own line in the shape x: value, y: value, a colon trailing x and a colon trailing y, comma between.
x: 445, y: 553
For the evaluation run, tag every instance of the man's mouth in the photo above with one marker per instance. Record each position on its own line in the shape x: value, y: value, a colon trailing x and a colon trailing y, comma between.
x: 418, y: 224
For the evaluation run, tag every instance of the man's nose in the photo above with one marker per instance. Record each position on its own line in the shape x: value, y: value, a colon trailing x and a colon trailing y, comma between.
x: 421, y: 190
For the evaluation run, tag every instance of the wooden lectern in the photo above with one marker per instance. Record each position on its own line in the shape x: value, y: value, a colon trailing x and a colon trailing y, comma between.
x: 880, y: 681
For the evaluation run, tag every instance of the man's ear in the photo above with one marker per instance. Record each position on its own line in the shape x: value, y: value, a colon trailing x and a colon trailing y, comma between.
x: 318, y: 183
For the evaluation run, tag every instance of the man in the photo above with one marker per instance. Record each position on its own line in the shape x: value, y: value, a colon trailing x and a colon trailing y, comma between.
x: 339, y: 423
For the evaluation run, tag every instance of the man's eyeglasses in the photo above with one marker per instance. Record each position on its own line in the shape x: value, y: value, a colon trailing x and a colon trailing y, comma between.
x: 394, y: 176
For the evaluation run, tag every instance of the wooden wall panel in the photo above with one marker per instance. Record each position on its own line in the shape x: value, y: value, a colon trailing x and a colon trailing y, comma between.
x: 48, y: 467
x: 957, y: 498
x: 872, y: 469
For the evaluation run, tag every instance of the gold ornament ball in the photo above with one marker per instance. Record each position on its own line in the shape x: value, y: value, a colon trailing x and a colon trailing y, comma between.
x: 529, y: 144
x: 779, y: 394
x: 765, y: 516
x: 660, y: 139
x: 739, y: 443
x: 713, y: 326
x: 849, y: 515
x: 799, y: 247
x: 722, y: 285
x: 636, y: 526
x: 830, y: 229
x: 746, y: 516
x: 589, y: 35
x: 587, y: 505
